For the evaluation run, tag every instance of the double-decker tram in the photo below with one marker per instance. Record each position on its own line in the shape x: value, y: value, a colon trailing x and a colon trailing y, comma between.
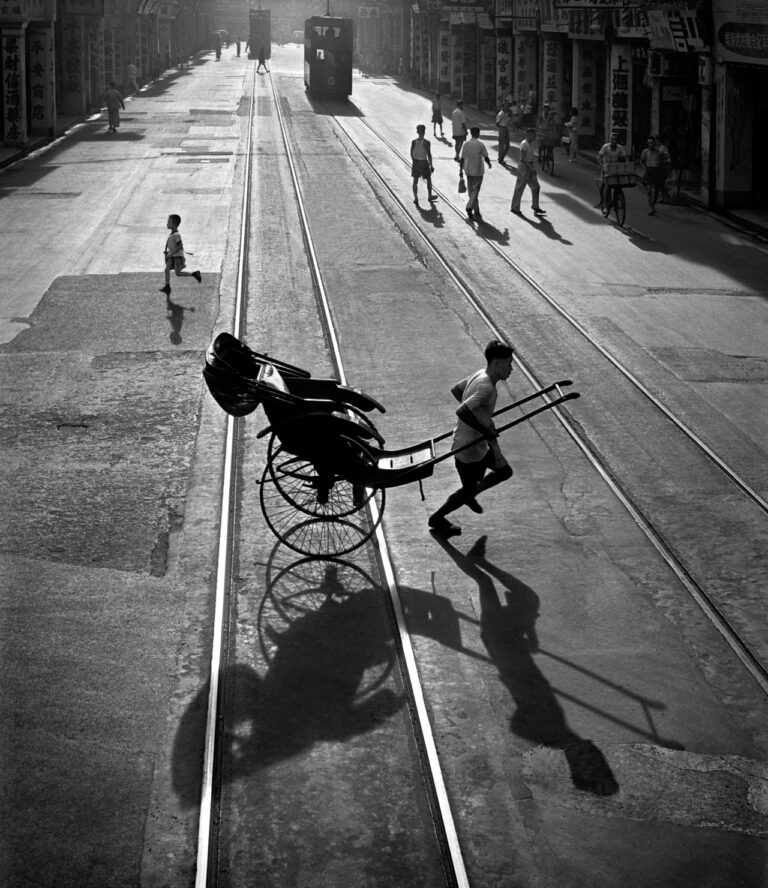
x: 328, y: 57
x: 260, y: 33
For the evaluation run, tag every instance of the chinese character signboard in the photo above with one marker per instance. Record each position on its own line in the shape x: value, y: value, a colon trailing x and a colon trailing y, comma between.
x: 503, y: 68
x: 552, y: 80
x: 444, y: 57
x: 14, y: 113
x: 525, y: 67
x: 620, y: 92
x: 586, y: 82
x: 525, y: 15
x: 741, y: 31
x: 553, y: 18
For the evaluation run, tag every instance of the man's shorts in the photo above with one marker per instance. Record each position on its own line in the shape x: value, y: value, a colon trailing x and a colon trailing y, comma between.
x: 472, y: 473
x: 420, y: 169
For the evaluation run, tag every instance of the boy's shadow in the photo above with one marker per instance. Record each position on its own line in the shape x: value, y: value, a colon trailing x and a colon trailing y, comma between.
x: 508, y: 632
x: 176, y: 318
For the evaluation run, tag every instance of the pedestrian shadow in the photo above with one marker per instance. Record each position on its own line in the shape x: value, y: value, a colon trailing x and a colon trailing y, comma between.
x: 508, y: 632
x: 324, y: 637
x: 491, y: 233
x: 545, y: 227
x: 432, y: 215
x: 175, y: 315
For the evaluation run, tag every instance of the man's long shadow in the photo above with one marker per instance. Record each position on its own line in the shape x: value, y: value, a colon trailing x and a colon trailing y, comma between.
x: 322, y: 640
x: 508, y: 632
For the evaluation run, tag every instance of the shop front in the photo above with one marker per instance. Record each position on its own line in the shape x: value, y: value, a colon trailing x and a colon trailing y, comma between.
x: 740, y: 87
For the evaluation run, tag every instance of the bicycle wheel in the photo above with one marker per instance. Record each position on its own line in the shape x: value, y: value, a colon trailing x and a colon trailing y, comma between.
x: 620, y: 206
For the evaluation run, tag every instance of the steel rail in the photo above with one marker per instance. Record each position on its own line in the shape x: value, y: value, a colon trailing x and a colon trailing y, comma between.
x: 224, y: 560
x: 752, y: 664
x: 455, y: 862
x: 732, y: 475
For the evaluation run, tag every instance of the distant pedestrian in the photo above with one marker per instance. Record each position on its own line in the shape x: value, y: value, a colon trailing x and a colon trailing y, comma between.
x: 262, y: 60
x: 437, y: 115
x: 572, y: 125
x: 131, y: 82
x: 477, y: 396
x: 503, y: 121
x: 473, y: 155
x: 459, y: 127
x: 666, y: 169
x: 237, y: 46
x: 114, y: 102
x: 652, y: 160
x: 526, y: 175
x: 175, y: 260
x: 421, y: 164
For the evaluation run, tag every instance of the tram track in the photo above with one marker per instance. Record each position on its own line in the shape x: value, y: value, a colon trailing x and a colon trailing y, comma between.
x: 210, y: 817
x: 753, y: 663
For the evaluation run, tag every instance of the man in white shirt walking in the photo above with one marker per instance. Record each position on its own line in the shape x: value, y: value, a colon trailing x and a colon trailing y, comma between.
x: 526, y: 175
x: 459, y: 127
x: 473, y: 155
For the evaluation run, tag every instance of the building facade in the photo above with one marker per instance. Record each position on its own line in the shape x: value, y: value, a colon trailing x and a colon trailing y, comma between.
x: 691, y: 72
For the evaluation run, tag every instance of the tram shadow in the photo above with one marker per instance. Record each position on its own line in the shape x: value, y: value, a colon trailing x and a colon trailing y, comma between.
x: 325, y: 663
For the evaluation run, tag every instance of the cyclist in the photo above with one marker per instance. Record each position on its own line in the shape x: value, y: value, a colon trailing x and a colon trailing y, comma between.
x: 546, y: 132
x: 611, y: 152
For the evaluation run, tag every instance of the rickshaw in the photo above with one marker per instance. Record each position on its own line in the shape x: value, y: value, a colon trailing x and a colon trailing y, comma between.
x: 323, y: 488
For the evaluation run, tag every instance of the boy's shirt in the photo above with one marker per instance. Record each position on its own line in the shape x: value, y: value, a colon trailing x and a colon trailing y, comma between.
x: 174, y: 245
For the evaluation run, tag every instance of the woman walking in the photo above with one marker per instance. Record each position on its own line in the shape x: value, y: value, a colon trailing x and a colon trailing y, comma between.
x: 437, y: 115
x: 114, y: 101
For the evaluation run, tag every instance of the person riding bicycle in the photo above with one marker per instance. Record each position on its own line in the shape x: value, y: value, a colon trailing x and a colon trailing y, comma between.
x: 611, y: 152
x: 546, y: 132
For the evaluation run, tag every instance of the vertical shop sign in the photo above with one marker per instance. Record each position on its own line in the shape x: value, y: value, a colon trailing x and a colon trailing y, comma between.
x: 585, y: 100
x: 41, y: 78
x: 444, y: 54
x: 552, y: 80
x: 14, y: 116
x: 487, y: 68
x: 620, y: 120
x: 525, y: 66
x: 457, y: 63
x: 503, y: 68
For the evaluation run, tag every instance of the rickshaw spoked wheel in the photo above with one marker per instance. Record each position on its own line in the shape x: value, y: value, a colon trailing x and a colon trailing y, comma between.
x: 313, y: 517
x: 321, y: 494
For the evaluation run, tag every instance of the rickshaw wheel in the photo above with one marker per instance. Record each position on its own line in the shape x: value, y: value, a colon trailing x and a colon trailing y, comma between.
x: 318, y: 537
x: 322, y: 496
x: 332, y: 518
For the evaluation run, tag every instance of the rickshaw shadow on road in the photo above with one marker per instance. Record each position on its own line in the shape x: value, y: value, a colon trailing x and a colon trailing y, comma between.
x: 325, y: 640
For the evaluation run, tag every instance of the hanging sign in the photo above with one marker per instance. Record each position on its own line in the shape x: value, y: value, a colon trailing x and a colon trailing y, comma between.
x: 741, y: 31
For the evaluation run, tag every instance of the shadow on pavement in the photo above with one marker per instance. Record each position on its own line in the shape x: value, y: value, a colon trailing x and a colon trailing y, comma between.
x: 326, y: 639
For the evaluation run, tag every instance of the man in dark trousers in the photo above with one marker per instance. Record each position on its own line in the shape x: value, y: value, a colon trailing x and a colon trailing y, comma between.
x: 477, y: 396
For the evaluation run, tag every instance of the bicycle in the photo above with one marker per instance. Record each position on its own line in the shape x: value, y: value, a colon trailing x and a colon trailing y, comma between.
x: 618, y: 176
x: 547, y: 158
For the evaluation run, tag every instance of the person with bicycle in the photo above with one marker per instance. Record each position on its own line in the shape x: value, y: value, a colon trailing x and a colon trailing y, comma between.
x: 611, y: 152
x: 545, y: 134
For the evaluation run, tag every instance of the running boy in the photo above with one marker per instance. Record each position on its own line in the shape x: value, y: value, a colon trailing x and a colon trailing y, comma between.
x: 477, y: 396
x: 174, y: 255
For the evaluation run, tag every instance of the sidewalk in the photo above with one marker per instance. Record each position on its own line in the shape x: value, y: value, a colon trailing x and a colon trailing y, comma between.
x: 753, y: 221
